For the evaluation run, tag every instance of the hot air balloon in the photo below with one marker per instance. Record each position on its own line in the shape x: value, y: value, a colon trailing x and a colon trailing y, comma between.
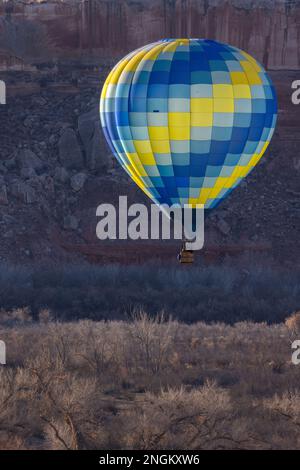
x: 188, y: 119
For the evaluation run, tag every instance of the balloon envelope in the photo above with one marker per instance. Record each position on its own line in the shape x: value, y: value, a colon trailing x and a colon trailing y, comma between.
x: 188, y: 119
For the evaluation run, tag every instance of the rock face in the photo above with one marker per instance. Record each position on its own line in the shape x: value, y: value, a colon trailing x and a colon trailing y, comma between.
x: 70, y: 222
x: 70, y: 154
x: 61, y: 175
x: 24, y: 192
x: 3, y: 192
x: 93, y: 140
x: 29, y: 162
x: 223, y: 226
x: 76, y: 29
x: 77, y: 181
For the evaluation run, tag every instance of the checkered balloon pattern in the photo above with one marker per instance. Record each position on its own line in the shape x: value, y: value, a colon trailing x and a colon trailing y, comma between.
x: 188, y: 119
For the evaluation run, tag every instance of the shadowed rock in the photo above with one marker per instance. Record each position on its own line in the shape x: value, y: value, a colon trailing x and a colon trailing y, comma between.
x: 77, y: 181
x: 97, y: 157
x: 26, y: 159
x: 70, y: 154
x: 3, y: 192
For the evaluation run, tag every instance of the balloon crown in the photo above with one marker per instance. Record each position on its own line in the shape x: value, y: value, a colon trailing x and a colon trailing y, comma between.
x: 188, y: 119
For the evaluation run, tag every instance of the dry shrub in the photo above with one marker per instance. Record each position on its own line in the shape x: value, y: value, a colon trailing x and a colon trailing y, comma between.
x: 177, y: 418
x: 97, y: 348
x: 69, y: 406
x: 285, y: 410
x: 10, y: 441
x: 45, y: 315
x: 17, y: 418
x: 19, y: 315
x: 293, y: 323
x: 139, y: 384
x: 151, y: 340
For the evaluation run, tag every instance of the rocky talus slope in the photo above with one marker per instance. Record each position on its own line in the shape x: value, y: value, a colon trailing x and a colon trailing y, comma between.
x: 56, y: 168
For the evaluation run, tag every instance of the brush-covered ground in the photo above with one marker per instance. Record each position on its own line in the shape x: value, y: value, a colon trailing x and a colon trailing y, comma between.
x: 230, y: 292
x: 148, y: 383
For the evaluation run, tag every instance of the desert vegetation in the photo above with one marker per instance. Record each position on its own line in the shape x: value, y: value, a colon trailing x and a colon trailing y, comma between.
x: 148, y: 383
x: 216, y: 293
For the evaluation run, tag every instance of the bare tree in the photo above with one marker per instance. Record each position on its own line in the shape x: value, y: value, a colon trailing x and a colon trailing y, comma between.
x: 67, y: 404
x: 151, y: 339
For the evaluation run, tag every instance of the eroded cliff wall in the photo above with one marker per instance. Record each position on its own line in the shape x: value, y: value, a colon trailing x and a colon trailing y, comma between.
x: 92, y: 30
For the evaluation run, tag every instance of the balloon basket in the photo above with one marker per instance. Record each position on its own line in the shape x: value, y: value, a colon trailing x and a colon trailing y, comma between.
x: 185, y: 256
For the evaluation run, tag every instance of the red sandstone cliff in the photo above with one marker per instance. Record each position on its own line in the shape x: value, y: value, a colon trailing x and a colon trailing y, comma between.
x: 36, y: 30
